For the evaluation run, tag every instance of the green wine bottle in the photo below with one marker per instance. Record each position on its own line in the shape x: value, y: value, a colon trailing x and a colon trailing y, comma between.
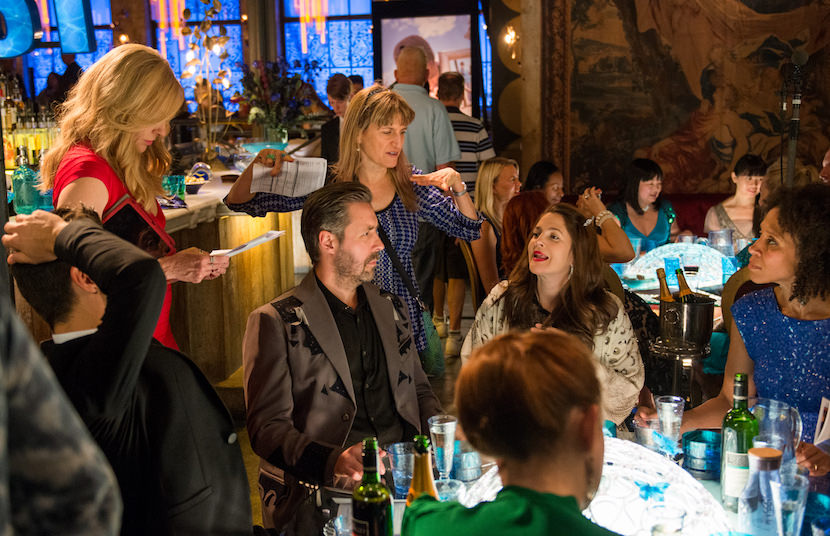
x: 371, y: 501
x: 739, y: 428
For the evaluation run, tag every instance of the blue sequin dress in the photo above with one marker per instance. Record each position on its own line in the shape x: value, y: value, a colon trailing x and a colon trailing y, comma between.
x: 401, y: 226
x: 791, y: 356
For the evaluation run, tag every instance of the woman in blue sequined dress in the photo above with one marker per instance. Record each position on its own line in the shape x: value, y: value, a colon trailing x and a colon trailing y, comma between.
x: 781, y: 334
x: 371, y: 151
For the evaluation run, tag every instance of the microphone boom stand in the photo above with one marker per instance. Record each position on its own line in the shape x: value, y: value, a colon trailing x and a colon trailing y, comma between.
x: 794, y: 126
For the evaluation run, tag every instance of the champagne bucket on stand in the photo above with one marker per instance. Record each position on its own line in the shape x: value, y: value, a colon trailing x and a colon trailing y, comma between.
x: 685, y: 329
x: 687, y: 322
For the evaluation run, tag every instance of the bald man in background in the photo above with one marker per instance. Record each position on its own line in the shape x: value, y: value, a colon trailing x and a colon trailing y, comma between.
x: 429, y: 145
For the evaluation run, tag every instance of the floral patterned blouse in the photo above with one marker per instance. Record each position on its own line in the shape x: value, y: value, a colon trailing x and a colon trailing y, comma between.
x: 620, y: 367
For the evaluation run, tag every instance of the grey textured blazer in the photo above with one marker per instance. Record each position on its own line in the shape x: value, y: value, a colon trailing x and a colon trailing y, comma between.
x: 298, y: 388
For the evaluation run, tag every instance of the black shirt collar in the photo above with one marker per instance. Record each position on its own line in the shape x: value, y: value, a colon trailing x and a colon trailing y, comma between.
x: 335, y: 303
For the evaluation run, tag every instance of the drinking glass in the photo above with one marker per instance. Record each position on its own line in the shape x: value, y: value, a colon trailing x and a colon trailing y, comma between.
x: 637, y: 245
x: 442, y: 430
x: 449, y: 490
x: 401, y: 458
x: 670, y: 415
x: 789, y: 497
x: 173, y: 185
x: 671, y: 264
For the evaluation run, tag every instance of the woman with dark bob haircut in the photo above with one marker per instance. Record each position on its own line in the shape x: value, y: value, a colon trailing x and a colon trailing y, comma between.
x: 558, y: 282
x: 532, y: 401
x: 781, y: 334
x: 642, y: 212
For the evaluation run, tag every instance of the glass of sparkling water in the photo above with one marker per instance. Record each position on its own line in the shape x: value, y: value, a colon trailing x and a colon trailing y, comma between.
x: 789, y: 497
x: 442, y: 430
x: 670, y: 415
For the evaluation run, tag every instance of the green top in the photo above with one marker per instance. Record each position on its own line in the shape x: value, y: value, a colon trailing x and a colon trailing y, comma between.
x: 516, y: 510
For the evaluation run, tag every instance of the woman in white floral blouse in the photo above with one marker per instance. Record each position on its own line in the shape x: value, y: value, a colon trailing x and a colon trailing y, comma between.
x: 559, y: 284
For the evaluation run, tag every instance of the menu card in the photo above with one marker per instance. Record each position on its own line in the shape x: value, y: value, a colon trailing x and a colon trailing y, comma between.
x: 295, y: 179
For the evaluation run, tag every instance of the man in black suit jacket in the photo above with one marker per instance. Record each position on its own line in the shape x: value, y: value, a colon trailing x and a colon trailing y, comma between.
x: 339, y: 91
x: 167, y: 435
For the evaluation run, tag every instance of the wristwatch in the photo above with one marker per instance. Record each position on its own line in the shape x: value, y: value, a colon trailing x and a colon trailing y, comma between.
x: 462, y: 192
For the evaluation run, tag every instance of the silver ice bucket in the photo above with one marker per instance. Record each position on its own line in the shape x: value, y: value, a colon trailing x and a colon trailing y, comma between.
x: 687, y: 322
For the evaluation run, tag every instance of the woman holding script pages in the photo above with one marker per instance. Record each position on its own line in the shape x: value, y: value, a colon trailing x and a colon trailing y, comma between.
x: 559, y: 283
x: 371, y: 151
x: 110, y: 156
x: 781, y: 334
x: 532, y: 402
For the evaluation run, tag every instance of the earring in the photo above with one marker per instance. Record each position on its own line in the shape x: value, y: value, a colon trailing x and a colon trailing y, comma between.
x: 570, y: 272
x: 357, y: 148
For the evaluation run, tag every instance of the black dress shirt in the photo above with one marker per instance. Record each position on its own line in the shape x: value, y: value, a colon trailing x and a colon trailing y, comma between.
x: 376, y: 414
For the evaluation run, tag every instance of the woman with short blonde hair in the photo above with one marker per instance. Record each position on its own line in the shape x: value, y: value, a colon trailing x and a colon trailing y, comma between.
x: 111, y: 147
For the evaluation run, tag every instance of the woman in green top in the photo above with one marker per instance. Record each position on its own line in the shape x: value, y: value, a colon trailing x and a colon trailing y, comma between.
x: 532, y: 401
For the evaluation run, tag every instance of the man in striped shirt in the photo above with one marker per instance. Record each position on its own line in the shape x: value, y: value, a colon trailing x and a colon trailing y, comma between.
x: 473, y: 140
x: 450, y: 268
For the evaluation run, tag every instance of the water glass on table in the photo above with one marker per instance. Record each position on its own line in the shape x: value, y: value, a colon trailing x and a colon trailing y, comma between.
x: 401, y: 458
x: 670, y: 415
x: 789, y: 497
x: 450, y: 490
x: 671, y: 265
x: 442, y: 430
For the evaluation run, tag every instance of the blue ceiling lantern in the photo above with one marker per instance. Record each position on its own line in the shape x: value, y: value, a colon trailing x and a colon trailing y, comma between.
x: 75, y: 26
x: 20, y: 21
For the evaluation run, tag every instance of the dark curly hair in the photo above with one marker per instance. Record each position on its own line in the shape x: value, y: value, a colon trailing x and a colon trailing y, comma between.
x: 804, y: 213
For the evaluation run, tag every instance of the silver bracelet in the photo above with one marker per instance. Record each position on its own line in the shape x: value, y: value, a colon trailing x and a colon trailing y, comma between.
x: 462, y: 192
x: 600, y: 218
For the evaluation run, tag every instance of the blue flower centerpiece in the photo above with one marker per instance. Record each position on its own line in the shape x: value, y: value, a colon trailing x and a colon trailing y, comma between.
x: 278, y: 96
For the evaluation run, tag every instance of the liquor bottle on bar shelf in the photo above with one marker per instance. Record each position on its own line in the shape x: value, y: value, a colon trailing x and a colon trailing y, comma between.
x: 371, y: 501
x: 25, y: 184
x: 739, y: 428
x: 423, y: 482
x: 665, y: 293
x: 685, y: 294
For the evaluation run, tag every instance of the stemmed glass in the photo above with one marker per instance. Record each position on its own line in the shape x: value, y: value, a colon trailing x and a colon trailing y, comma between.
x: 442, y: 430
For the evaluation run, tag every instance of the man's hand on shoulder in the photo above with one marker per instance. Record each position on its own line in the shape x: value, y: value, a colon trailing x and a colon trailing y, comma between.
x: 31, y: 238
